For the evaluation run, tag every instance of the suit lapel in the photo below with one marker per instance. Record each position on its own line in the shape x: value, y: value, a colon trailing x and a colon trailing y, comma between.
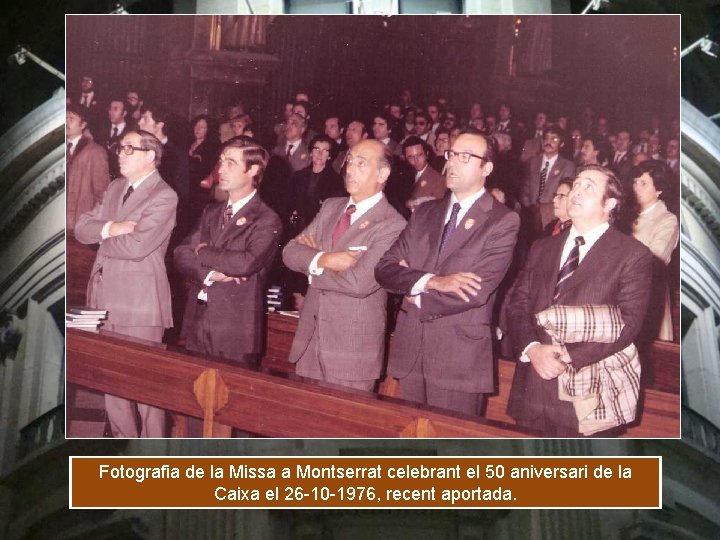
x: 591, y: 263
x: 553, y: 260
x: 140, y: 195
x: 238, y: 222
x: 366, y: 221
x: 472, y: 221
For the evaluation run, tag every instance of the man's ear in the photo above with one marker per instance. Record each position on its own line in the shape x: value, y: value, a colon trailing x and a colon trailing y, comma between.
x: 384, y: 175
x: 610, y: 204
x: 253, y: 170
x: 487, y: 168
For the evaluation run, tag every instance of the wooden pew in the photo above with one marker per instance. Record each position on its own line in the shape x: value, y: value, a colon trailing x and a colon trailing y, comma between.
x: 229, y: 395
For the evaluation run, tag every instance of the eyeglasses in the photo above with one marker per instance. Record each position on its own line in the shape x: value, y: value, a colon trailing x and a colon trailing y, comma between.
x: 463, y: 157
x: 129, y: 149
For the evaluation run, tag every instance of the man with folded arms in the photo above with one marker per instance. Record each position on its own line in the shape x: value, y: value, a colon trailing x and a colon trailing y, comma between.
x: 341, y: 333
x: 132, y: 224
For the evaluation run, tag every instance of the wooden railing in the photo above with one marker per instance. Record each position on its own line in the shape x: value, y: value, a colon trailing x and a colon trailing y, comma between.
x: 229, y: 395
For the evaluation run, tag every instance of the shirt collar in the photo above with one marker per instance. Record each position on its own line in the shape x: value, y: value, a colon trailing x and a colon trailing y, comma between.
x: 74, y: 141
x: 418, y: 174
x: 137, y: 183
x: 648, y: 210
x: 365, y: 205
x: 591, y: 236
x: 552, y: 160
x: 237, y: 205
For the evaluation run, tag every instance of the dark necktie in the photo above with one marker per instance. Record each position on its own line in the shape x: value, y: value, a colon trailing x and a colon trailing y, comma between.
x: 570, y: 265
x: 227, y: 216
x: 343, y: 224
x: 543, y: 179
x: 289, y: 149
x: 68, y: 152
x: 114, y: 132
x: 450, y: 227
x: 127, y: 194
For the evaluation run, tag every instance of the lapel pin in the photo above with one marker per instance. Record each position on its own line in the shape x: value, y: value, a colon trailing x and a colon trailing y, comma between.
x: 556, y: 172
x: 304, y: 157
x: 364, y: 224
x: 423, y: 183
x: 469, y: 223
x: 241, y: 221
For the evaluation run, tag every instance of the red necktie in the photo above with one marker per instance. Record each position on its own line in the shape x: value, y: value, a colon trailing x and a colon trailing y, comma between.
x: 343, y: 224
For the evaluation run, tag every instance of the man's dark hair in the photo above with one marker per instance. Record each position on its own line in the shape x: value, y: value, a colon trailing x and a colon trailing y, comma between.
x: 662, y: 176
x: 78, y: 110
x: 554, y: 130
x: 362, y: 123
x: 613, y: 188
x: 119, y: 100
x: 159, y: 114
x: 426, y: 116
x: 567, y: 181
x: 306, y: 107
x: 600, y: 144
x: 414, y: 140
x: 253, y: 154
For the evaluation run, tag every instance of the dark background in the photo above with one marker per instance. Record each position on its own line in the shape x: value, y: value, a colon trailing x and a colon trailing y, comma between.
x: 625, y: 67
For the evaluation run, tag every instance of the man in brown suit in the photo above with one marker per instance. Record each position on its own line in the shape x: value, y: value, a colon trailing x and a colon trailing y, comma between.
x: 448, y: 263
x: 132, y: 224
x: 428, y: 183
x: 87, y: 166
x: 341, y: 333
x: 228, y: 257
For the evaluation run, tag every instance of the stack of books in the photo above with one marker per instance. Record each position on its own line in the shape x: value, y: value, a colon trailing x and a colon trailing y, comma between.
x: 274, y: 298
x: 85, y: 318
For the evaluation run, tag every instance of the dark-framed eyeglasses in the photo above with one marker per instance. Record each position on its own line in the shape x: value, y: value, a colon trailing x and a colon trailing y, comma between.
x: 129, y: 149
x: 463, y: 157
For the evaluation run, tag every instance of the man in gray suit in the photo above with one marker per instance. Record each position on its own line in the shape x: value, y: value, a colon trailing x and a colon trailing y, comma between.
x: 341, y: 333
x: 543, y: 176
x: 448, y: 263
x: 132, y: 224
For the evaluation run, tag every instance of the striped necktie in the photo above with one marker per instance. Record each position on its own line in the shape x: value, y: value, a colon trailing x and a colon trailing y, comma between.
x: 450, y: 227
x: 569, y: 267
x: 543, y: 179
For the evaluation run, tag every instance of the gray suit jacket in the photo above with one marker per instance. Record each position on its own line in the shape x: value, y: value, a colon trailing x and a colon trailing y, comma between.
x: 451, y: 335
x: 346, y: 309
x: 129, y: 277
x: 298, y: 160
x: 531, y: 183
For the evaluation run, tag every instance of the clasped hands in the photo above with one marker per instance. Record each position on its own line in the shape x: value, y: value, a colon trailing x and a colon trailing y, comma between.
x: 338, y: 261
x: 549, y: 361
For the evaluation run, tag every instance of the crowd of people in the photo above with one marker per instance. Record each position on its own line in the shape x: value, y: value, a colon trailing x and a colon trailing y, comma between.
x: 452, y: 228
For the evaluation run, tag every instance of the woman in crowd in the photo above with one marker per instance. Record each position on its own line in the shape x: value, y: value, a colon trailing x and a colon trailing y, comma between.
x: 202, y: 154
x: 658, y: 229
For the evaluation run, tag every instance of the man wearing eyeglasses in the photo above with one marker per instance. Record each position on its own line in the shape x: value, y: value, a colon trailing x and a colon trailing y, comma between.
x: 132, y: 224
x: 448, y: 262
x: 341, y: 333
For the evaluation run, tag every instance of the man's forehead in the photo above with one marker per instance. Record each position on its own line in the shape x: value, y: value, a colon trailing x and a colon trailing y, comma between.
x: 469, y: 142
x: 235, y: 154
x: 596, y: 178
x: 131, y: 138
x: 365, y: 150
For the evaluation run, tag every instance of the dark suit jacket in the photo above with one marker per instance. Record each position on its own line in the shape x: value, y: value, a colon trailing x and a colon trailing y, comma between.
x: 623, y: 167
x: 451, y: 335
x: 87, y: 179
x: 129, y: 277
x: 232, y: 322
x: 110, y: 143
x: 346, y: 309
x: 616, y: 271
x: 174, y: 168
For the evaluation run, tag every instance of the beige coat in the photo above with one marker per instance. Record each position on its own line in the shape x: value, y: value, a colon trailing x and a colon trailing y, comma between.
x: 133, y: 284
